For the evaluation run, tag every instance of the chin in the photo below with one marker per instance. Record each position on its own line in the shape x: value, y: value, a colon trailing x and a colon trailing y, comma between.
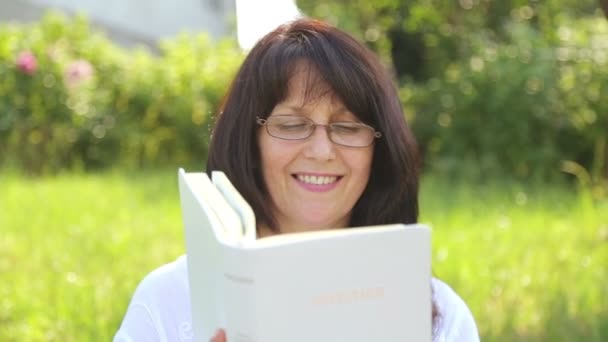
x: 322, y: 225
x: 314, y: 228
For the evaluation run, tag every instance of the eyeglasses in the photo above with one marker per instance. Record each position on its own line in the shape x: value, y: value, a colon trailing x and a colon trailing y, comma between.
x: 294, y: 127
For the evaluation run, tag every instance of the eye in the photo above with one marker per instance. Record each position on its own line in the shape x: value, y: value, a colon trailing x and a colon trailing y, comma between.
x: 290, y: 124
x: 347, y: 128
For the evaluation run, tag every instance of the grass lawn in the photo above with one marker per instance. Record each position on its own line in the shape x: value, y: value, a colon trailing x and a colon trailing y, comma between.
x: 530, y: 262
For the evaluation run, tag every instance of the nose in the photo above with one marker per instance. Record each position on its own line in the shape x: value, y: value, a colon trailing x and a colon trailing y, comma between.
x: 319, y: 146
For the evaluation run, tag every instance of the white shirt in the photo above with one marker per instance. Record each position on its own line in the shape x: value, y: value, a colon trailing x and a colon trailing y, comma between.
x: 160, y: 310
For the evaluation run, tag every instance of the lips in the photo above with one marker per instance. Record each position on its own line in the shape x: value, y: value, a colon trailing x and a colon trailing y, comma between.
x: 316, y: 179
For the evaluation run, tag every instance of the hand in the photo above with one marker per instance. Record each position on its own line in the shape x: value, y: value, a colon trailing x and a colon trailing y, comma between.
x: 220, y: 336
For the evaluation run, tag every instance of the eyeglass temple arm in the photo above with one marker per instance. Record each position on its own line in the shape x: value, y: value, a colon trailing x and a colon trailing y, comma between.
x: 260, y: 121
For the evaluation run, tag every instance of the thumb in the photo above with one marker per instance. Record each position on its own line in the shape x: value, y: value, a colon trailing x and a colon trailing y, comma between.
x: 220, y: 336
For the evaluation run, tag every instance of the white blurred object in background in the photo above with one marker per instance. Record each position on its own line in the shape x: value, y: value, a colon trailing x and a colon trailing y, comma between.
x: 255, y: 18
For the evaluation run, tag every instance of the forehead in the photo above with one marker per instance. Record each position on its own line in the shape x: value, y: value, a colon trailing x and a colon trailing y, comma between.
x: 306, y: 87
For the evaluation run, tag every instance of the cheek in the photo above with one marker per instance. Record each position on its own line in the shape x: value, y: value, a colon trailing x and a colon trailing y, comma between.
x: 265, y: 148
x: 274, y: 156
x: 361, y: 164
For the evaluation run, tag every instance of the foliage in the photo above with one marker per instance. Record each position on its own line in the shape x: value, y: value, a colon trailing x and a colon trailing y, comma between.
x: 510, y: 88
x: 69, y: 98
x: 583, y: 81
x: 511, y: 109
x: 494, y: 88
x: 528, y: 260
x: 420, y: 37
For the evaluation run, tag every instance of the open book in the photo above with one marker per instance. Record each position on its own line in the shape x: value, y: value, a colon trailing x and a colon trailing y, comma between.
x: 353, y: 284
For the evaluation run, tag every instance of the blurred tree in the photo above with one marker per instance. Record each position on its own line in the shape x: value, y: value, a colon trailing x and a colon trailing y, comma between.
x: 604, y: 6
x: 419, y: 38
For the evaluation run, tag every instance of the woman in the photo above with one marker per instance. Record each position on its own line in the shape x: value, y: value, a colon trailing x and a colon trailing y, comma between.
x: 313, y: 135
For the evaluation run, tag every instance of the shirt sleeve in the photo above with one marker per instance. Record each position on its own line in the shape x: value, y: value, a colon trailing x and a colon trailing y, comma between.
x: 138, y: 324
x: 160, y: 307
x: 456, y: 323
x: 464, y: 328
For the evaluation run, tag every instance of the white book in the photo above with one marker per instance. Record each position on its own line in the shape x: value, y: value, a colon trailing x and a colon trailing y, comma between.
x: 352, y: 284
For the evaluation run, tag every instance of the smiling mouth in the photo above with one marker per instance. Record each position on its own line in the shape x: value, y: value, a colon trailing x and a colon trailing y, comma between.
x: 317, y: 180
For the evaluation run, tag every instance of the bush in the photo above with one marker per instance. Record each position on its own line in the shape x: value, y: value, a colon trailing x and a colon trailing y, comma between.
x: 583, y: 85
x: 518, y: 109
x: 526, y: 103
x: 491, y: 114
x: 71, y: 99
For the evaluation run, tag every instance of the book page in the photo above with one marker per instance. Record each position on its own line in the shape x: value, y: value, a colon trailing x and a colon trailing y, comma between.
x: 202, y: 187
x: 238, y: 203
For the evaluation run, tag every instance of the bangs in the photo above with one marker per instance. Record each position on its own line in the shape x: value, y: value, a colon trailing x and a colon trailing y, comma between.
x: 328, y: 71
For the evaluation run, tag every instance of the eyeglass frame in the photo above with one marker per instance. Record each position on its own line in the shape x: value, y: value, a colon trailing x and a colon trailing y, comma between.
x: 328, y: 129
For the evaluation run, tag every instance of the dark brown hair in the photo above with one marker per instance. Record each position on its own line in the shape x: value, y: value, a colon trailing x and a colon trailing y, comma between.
x: 356, y: 77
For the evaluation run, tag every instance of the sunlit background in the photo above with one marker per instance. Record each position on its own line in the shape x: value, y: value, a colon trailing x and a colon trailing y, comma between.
x: 256, y: 18
x: 137, y: 21
x: 102, y: 101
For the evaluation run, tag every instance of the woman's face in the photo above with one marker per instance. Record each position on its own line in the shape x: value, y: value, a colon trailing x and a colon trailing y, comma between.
x: 313, y: 183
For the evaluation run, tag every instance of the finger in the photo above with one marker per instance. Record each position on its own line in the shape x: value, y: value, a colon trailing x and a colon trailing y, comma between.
x: 219, y: 336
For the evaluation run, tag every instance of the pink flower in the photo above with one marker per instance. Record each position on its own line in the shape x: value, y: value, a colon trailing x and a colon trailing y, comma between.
x: 77, y: 72
x: 27, y: 63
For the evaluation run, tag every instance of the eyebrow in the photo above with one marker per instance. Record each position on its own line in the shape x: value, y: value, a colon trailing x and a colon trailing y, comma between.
x: 341, y: 110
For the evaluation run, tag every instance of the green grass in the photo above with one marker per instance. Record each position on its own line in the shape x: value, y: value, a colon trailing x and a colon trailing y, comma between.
x: 530, y: 262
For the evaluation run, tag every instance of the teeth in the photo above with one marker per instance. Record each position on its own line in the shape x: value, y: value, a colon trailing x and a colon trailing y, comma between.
x: 317, y: 180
